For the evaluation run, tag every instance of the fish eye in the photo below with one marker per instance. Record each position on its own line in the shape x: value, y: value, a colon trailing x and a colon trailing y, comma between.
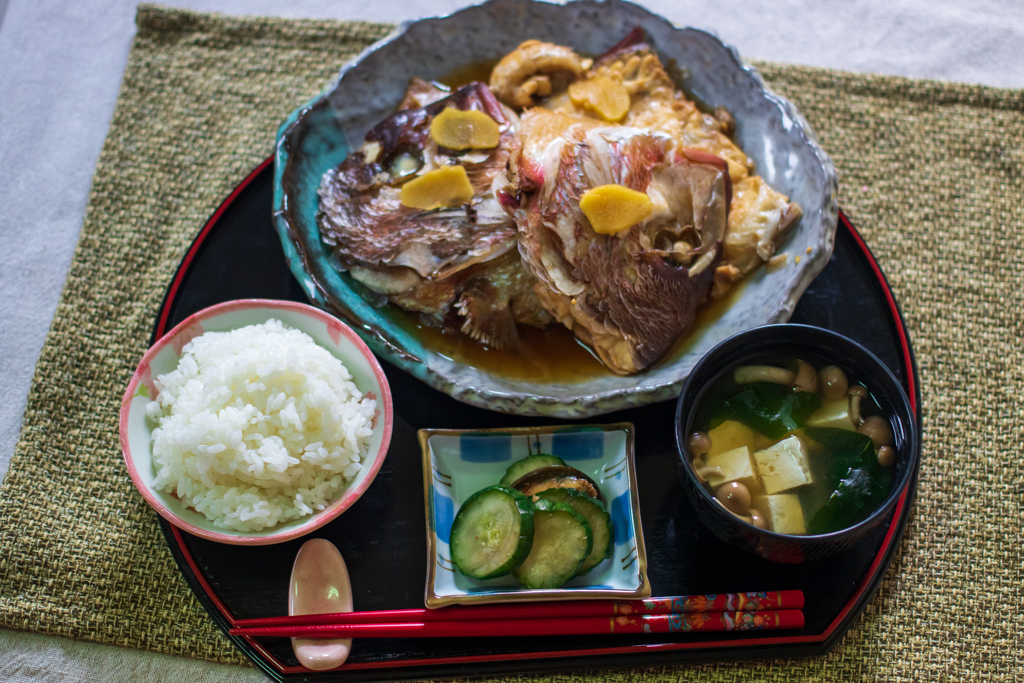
x: 405, y: 165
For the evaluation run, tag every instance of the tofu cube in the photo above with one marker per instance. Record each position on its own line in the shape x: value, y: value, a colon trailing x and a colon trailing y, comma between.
x: 729, y: 435
x: 783, y: 466
x: 782, y: 512
x: 833, y: 414
x: 735, y: 466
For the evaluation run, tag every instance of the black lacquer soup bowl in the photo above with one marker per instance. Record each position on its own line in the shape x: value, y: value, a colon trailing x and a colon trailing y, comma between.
x: 821, y: 347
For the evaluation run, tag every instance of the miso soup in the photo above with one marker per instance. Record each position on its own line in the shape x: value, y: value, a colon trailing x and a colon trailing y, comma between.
x: 793, y: 447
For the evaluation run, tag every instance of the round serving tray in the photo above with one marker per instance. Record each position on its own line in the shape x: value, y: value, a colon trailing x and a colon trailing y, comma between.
x: 237, y: 254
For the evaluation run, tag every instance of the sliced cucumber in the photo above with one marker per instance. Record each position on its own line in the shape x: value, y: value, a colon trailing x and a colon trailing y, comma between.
x: 493, y: 532
x: 596, y: 516
x: 528, y: 464
x: 562, y: 540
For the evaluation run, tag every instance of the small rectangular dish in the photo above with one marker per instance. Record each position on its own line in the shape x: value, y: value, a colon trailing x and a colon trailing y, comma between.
x: 458, y: 463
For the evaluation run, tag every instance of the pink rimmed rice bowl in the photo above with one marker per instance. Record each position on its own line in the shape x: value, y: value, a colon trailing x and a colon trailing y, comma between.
x: 259, y: 429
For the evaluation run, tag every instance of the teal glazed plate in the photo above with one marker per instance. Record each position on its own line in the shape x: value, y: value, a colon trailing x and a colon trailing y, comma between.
x: 458, y: 463
x: 319, y: 135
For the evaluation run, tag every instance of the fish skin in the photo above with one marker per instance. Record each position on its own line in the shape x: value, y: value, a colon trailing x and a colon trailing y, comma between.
x: 762, y: 218
x: 624, y: 294
x: 362, y: 218
x: 458, y: 266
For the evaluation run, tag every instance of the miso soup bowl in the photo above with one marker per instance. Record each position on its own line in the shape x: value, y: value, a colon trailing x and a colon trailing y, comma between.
x: 819, y: 346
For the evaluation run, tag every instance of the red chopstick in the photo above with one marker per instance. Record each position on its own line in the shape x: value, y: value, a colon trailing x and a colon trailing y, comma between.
x: 682, y: 604
x: 661, y: 623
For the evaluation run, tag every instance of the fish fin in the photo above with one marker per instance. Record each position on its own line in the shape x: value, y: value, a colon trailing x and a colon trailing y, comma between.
x: 487, y: 317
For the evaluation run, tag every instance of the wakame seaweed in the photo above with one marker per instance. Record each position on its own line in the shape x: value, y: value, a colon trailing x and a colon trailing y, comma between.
x: 772, y: 409
x: 853, y: 474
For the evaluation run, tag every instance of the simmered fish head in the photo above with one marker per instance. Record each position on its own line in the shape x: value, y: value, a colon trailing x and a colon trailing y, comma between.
x: 362, y: 218
x: 434, y: 262
x: 760, y: 217
x: 632, y: 293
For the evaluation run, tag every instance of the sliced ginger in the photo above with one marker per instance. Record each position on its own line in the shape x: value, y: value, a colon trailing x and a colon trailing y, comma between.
x: 442, y: 187
x: 613, y: 208
x: 458, y: 130
x: 607, y: 98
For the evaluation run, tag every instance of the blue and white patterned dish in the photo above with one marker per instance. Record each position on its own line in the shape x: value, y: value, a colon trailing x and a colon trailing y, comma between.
x: 318, y: 137
x: 458, y: 463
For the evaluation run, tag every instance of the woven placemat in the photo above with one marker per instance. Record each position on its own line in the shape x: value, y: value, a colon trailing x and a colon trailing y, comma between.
x: 932, y: 174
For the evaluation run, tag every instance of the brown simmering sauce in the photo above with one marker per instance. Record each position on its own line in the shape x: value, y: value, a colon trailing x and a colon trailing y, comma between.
x: 549, y: 355
x: 707, y: 315
x: 464, y: 75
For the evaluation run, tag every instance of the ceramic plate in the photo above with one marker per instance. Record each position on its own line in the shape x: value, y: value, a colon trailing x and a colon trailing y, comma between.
x: 457, y: 464
x: 319, y: 135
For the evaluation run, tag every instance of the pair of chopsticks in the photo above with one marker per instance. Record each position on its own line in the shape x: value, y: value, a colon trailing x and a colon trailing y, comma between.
x: 688, y: 613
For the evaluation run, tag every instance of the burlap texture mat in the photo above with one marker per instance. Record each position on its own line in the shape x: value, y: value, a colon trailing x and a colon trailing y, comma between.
x: 932, y: 175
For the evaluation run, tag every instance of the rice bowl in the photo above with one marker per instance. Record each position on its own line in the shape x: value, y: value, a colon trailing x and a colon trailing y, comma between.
x: 258, y: 426
x: 231, y: 434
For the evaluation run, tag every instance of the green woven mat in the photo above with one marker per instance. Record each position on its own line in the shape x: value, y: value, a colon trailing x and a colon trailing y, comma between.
x: 932, y: 174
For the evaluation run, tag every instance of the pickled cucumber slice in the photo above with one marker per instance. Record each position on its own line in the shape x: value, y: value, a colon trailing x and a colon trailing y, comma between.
x: 596, y: 516
x: 493, y: 532
x: 562, y: 540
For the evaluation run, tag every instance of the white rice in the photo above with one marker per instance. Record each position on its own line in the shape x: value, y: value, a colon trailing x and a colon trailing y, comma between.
x: 258, y: 426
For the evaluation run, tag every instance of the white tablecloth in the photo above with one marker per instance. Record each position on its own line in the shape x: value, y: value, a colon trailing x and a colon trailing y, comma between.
x: 61, y: 64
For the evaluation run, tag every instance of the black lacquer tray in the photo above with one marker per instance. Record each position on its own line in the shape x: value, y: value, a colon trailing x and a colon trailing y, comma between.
x: 383, y: 539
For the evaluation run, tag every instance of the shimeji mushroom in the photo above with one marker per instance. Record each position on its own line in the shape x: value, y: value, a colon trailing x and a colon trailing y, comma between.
x: 734, y: 496
x: 700, y: 443
x: 750, y: 516
x: 806, y: 377
x: 833, y: 383
x: 763, y: 373
x: 857, y: 394
x: 704, y: 473
x: 877, y: 429
x: 757, y: 519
